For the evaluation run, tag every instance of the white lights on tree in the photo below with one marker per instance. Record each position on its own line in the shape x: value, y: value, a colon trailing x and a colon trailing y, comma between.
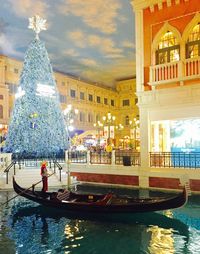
x: 45, y: 90
x: 70, y: 128
x: 19, y: 93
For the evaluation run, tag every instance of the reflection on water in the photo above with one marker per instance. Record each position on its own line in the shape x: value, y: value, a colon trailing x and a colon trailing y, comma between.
x: 26, y: 227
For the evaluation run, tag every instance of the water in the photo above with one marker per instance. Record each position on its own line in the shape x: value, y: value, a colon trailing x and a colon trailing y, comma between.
x: 26, y: 227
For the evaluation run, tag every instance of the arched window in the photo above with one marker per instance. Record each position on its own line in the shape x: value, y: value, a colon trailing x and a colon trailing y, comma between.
x: 168, y: 49
x: 193, y: 43
x: 1, y: 111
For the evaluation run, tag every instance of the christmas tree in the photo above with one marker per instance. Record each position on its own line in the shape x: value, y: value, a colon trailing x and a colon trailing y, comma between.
x: 37, y: 126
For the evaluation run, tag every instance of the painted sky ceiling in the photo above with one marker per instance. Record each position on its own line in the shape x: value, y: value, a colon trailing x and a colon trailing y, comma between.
x: 91, y: 39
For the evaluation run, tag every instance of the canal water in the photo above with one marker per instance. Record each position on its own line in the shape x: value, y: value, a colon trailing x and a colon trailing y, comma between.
x: 26, y: 227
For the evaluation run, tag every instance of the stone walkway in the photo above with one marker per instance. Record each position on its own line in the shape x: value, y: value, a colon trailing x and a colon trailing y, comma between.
x: 26, y: 176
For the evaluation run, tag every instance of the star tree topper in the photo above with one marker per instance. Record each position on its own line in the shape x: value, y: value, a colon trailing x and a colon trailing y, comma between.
x: 37, y: 24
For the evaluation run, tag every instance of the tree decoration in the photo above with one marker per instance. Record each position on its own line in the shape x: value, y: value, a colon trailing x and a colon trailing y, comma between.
x: 37, y: 124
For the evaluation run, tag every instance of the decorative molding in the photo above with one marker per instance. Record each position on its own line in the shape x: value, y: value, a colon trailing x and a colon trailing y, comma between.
x: 166, y: 27
x: 143, y: 4
x: 190, y: 26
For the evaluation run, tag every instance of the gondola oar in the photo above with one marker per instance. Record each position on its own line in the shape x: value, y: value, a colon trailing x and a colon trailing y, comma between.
x: 32, y: 186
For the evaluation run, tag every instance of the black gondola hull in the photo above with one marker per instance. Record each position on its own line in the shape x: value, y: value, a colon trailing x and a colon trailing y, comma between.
x: 120, y: 204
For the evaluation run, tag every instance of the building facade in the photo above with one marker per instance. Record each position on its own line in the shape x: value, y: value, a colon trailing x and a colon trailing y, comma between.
x: 168, y: 75
x: 92, y: 101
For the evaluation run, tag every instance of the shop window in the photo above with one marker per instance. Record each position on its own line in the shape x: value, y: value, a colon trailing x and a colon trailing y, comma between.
x: 193, y: 43
x: 168, y: 49
x: 1, y: 111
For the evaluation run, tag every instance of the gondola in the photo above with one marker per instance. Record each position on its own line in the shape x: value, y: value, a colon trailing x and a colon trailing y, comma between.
x: 98, y: 203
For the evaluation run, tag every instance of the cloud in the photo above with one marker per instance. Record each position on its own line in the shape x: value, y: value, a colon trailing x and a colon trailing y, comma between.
x: 7, y: 48
x: 128, y: 44
x: 78, y: 38
x: 71, y: 52
x: 88, y: 62
x: 108, y: 73
x: 97, y: 14
x: 27, y: 8
x: 102, y: 44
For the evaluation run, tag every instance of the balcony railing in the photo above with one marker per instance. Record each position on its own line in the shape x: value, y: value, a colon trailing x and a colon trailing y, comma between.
x: 175, y: 71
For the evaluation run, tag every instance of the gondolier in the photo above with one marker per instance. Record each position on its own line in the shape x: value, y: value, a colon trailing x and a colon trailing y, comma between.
x: 44, y: 174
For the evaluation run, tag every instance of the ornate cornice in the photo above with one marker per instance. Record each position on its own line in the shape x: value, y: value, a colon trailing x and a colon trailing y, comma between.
x: 143, y: 4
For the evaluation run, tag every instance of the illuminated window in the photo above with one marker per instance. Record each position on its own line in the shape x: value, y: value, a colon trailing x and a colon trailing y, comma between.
x: 168, y: 49
x: 1, y: 111
x: 193, y: 43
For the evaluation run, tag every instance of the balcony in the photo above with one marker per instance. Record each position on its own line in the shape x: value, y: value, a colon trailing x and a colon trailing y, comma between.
x: 175, y: 71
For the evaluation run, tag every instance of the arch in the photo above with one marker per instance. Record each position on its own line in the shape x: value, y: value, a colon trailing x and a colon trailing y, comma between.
x: 191, y: 44
x: 190, y: 26
x: 166, y: 28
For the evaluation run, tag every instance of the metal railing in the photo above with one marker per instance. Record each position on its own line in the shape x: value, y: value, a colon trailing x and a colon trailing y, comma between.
x: 100, y: 157
x: 35, y: 163
x: 175, y: 159
x: 77, y: 156
x: 127, y: 156
x: 12, y: 164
